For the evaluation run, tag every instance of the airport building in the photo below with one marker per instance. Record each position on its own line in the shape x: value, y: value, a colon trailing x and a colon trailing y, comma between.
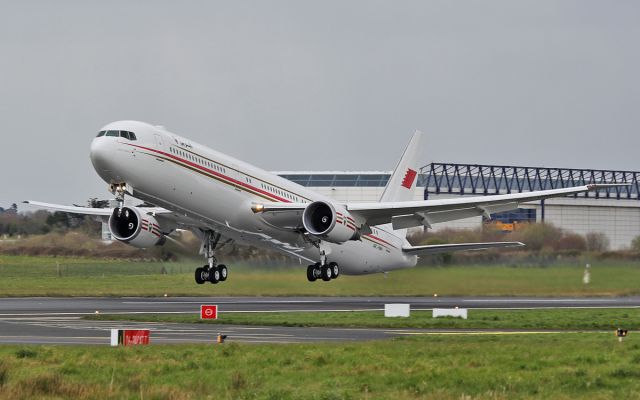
x: 614, y: 212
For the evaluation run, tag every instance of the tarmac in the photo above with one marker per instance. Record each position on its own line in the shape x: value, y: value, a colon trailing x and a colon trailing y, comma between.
x: 40, y: 320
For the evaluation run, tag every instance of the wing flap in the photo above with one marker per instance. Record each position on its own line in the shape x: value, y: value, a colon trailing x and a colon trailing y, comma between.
x: 448, y: 248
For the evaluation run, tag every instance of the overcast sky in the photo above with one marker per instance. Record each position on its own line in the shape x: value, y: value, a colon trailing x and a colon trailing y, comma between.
x: 338, y: 85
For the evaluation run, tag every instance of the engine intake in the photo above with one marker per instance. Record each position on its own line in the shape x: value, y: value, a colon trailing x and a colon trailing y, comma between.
x: 130, y: 226
x: 322, y: 220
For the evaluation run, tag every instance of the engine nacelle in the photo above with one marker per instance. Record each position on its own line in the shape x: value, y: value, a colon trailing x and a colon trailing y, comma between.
x: 131, y: 226
x: 321, y: 219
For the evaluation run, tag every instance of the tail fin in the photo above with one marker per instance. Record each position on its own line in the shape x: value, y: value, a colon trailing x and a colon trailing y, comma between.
x: 402, y: 184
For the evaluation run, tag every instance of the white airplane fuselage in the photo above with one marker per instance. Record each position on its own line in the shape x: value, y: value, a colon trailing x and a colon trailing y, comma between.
x: 218, y: 191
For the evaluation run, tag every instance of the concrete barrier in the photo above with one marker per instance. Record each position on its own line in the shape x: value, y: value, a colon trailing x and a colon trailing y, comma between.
x: 450, y: 312
x: 396, y: 310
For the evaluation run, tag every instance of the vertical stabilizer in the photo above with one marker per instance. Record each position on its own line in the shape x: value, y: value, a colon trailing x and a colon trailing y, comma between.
x: 402, y: 184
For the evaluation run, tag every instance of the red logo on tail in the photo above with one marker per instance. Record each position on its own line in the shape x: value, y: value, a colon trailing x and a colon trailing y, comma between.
x: 409, y: 177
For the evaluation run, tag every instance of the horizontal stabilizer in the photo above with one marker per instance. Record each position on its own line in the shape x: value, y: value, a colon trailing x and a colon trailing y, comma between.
x: 447, y: 248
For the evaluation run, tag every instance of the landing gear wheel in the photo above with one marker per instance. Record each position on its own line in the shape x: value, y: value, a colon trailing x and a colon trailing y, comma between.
x: 223, y: 272
x: 311, y: 273
x: 326, y: 273
x: 335, y: 270
x: 214, y: 275
x: 200, y: 279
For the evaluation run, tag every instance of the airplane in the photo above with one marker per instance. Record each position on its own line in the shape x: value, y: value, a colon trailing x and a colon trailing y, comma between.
x: 222, y: 199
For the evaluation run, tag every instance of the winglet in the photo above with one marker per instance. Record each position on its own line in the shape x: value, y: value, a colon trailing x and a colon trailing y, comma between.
x: 403, y: 181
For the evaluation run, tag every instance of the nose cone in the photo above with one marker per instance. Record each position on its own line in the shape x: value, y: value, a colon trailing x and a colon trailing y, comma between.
x: 104, y: 156
x: 99, y: 155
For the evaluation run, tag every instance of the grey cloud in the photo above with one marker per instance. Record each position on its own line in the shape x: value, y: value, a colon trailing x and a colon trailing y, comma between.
x: 318, y: 85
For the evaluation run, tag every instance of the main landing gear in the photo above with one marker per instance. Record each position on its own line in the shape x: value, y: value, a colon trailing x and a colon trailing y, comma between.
x: 325, y: 271
x: 216, y: 274
x: 212, y: 271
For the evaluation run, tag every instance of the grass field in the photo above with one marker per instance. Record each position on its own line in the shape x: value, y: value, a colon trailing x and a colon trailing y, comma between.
x: 556, y: 319
x: 51, y: 276
x: 549, y: 366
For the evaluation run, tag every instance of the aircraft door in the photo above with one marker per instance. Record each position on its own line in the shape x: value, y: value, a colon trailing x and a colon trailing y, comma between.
x: 235, y: 174
x: 159, y: 141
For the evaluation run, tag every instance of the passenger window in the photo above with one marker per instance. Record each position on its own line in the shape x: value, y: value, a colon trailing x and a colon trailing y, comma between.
x: 101, y: 133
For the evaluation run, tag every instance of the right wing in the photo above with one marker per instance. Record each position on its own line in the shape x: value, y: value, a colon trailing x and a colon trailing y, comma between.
x: 101, y: 212
x: 447, y: 248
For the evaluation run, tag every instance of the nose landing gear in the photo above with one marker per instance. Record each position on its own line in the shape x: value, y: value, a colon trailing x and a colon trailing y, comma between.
x: 119, y: 190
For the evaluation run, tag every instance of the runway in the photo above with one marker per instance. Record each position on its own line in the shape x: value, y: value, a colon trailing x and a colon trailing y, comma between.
x: 59, y: 320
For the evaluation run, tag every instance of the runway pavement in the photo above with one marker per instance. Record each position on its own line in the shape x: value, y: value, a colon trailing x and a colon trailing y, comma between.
x: 58, y: 320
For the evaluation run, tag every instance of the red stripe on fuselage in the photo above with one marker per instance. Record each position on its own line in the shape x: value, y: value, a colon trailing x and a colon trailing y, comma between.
x: 381, y: 240
x: 212, y: 172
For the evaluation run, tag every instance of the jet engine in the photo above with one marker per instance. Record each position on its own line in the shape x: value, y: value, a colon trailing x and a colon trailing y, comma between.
x: 131, y: 226
x: 323, y: 220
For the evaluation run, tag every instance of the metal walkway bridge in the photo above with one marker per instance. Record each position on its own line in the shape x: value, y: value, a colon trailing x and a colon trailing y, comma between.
x: 478, y: 180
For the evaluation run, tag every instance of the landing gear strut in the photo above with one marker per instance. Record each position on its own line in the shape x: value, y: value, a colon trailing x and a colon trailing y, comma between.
x: 212, y: 271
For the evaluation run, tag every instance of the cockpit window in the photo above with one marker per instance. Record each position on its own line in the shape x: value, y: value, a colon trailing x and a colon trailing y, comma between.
x: 128, y: 135
x: 123, y: 134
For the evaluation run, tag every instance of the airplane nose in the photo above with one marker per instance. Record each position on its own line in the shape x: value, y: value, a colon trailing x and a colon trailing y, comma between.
x: 99, y: 155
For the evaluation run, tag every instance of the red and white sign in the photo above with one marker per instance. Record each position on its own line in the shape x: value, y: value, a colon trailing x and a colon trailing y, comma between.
x: 208, y: 311
x: 133, y: 337
x: 129, y: 337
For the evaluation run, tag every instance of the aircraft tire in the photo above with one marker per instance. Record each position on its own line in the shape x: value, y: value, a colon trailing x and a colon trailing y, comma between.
x: 311, y: 273
x: 224, y: 272
x: 326, y: 273
x: 335, y: 270
x: 214, y: 275
x: 198, y: 274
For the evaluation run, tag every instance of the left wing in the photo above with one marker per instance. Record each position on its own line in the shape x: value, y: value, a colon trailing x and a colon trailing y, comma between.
x: 408, y: 214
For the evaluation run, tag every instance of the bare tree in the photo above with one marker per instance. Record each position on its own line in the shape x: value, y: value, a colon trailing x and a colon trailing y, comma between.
x: 597, y: 241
